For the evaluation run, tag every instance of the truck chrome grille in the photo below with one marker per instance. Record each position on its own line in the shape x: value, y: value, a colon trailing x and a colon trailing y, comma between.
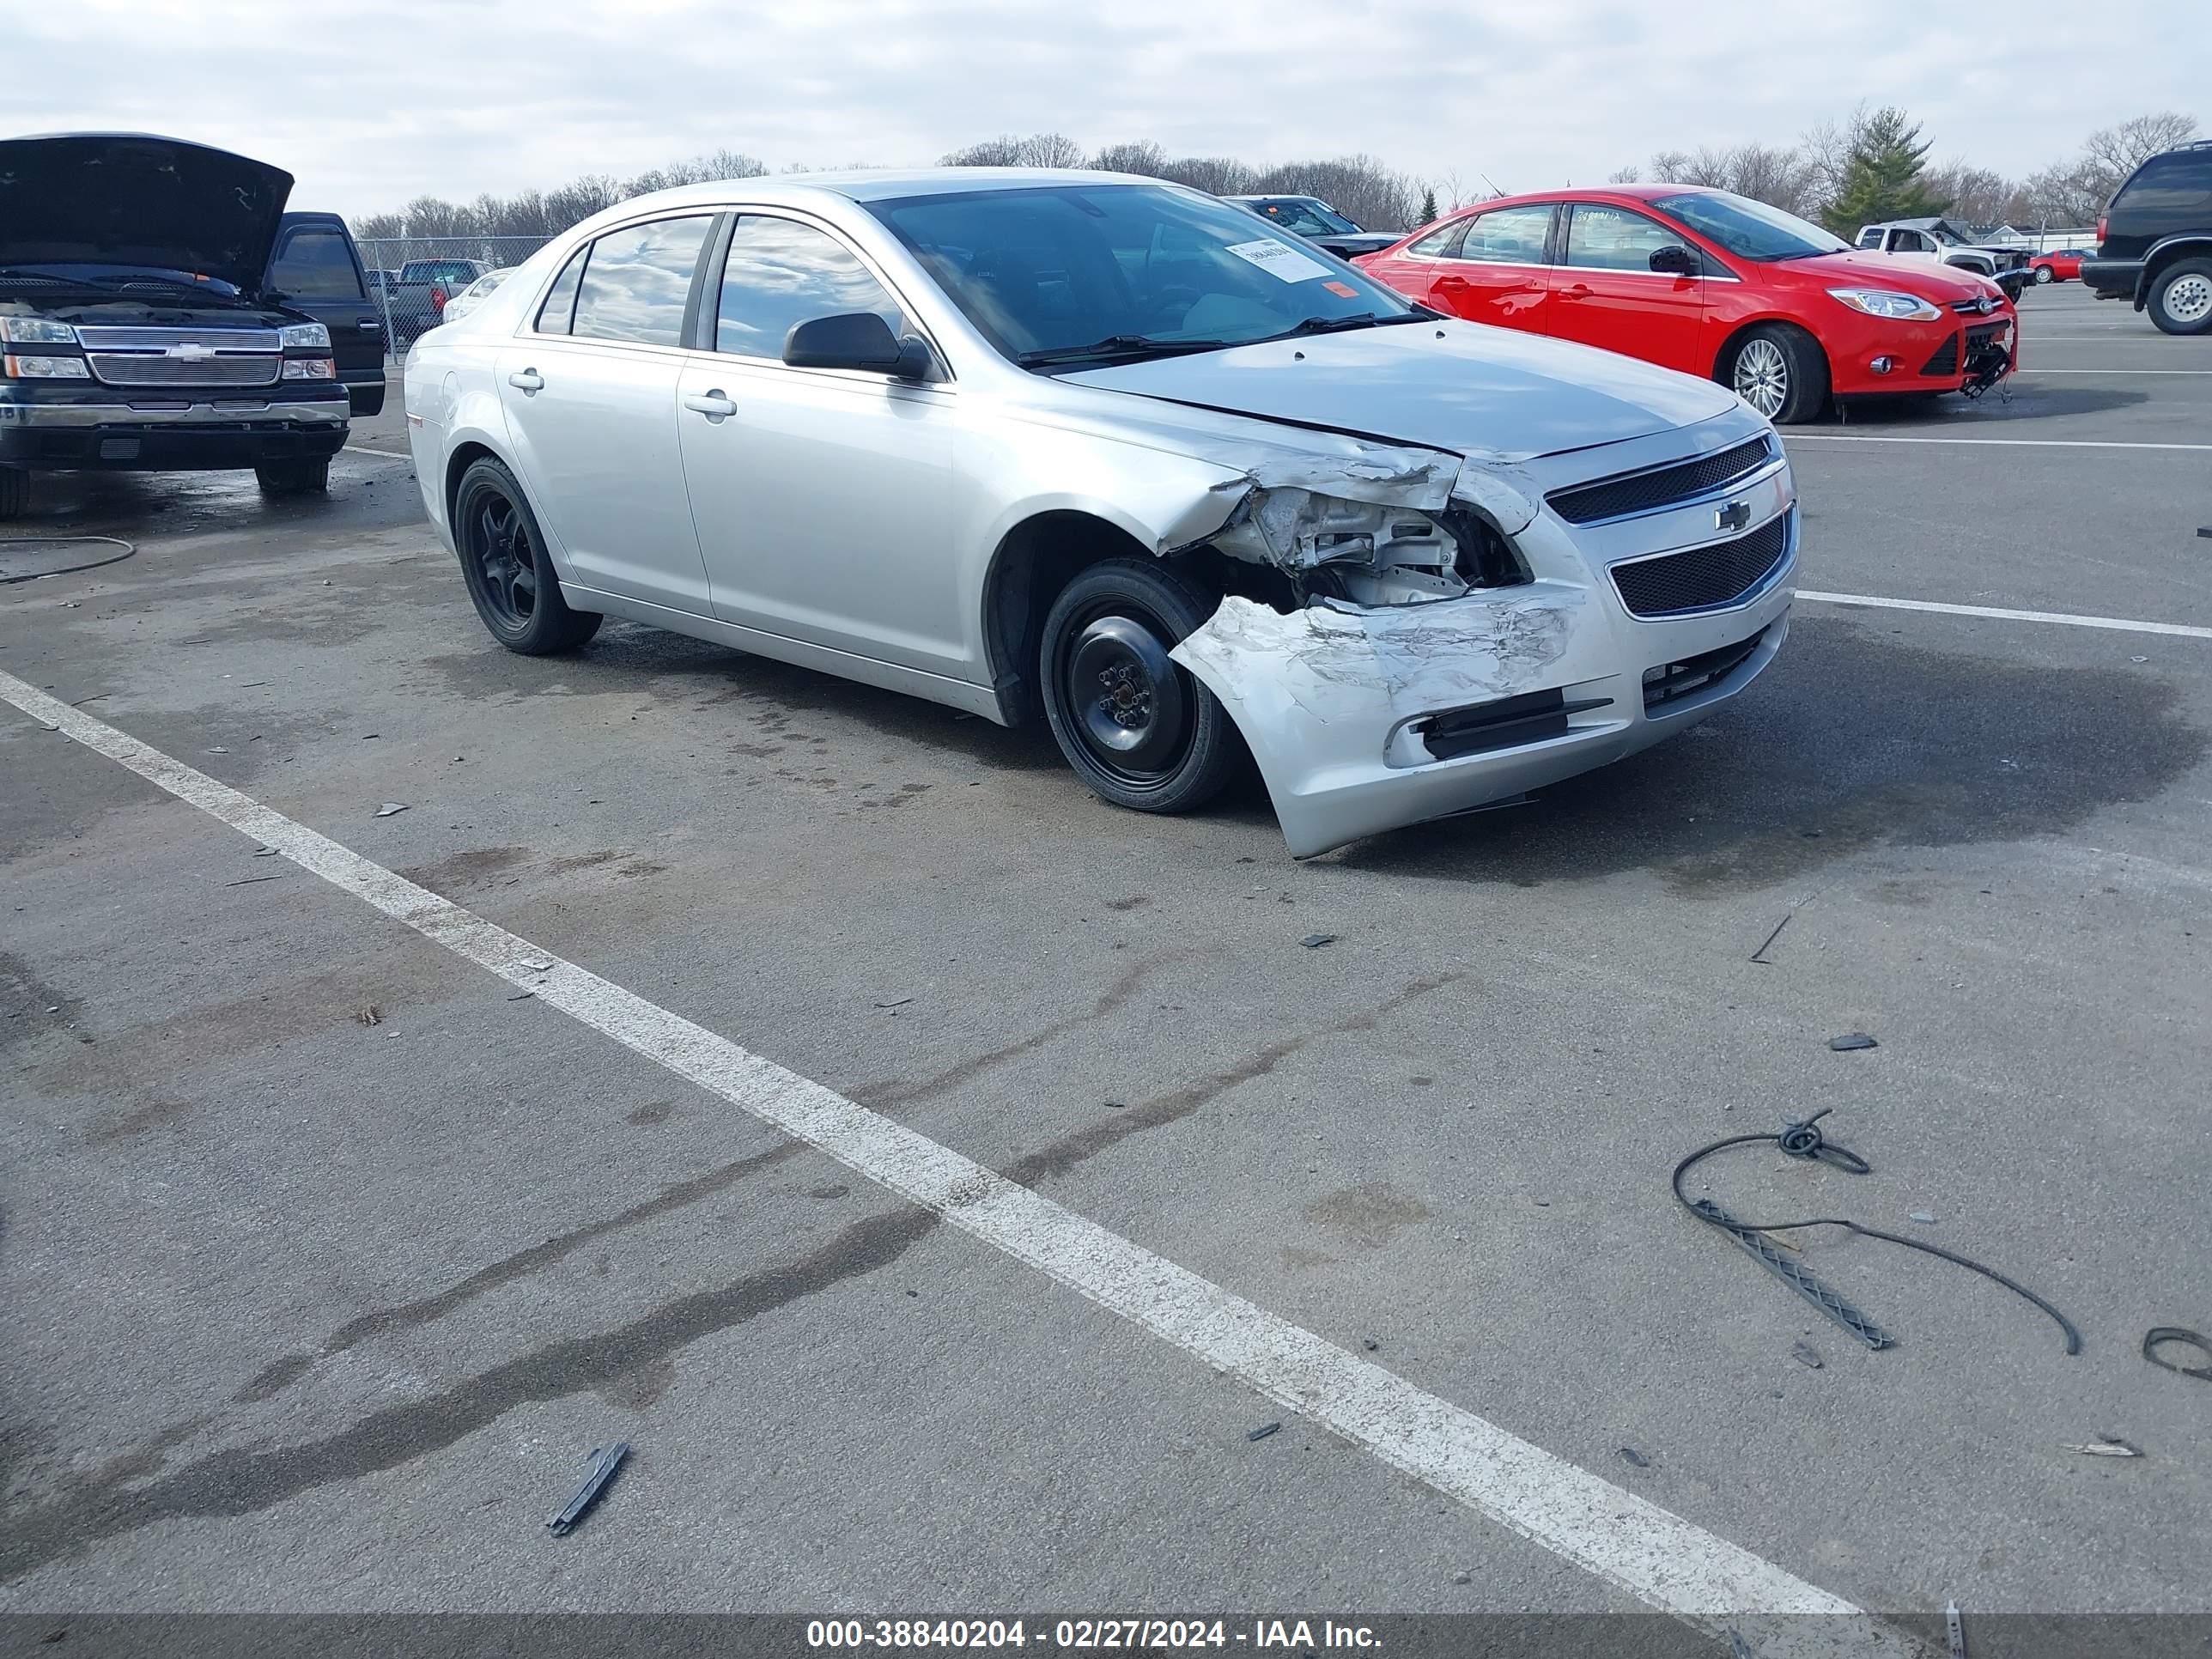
x: 1704, y: 578
x: 181, y: 356
x: 145, y: 368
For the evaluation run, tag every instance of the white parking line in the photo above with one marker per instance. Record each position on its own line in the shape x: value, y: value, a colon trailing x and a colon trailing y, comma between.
x: 1794, y: 436
x: 1651, y: 1553
x: 2119, y: 624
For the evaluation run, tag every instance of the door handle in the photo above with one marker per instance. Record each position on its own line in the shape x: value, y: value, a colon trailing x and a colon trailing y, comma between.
x: 369, y: 326
x: 527, y: 380
x: 715, y: 404
x: 1577, y: 291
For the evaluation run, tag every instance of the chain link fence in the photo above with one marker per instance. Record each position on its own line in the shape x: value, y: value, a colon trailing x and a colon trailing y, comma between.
x: 412, y: 279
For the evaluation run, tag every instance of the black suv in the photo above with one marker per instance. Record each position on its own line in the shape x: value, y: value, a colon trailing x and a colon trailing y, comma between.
x: 137, y: 332
x: 2156, y: 241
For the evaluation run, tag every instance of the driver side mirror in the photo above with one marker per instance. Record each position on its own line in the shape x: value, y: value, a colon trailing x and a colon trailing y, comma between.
x: 1674, y: 259
x: 857, y: 339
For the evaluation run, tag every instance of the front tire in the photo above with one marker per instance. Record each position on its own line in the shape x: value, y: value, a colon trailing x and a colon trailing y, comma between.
x: 2043, y: 277
x: 511, y: 581
x: 1779, y: 371
x: 1135, y: 726
x: 2181, y: 298
x: 310, y: 477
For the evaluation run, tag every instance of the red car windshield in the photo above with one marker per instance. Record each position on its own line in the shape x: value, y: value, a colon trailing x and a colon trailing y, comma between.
x: 1749, y: 229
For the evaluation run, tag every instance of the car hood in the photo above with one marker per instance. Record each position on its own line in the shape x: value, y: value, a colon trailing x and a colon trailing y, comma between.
x: 1922, y: 278
x: 1452, y: 386
x: 134, y: 200
x: 1360, y: 241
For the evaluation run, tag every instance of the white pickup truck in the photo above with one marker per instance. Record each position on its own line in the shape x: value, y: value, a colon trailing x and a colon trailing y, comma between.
x: 1941, y: 242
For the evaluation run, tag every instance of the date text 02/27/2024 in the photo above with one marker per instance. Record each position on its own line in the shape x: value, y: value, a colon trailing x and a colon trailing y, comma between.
x: 1085, y: 1634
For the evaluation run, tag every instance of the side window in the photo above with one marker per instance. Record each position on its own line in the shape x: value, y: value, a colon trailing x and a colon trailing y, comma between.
x: 1613, y: 239
x: 780, y: 273
x: 1508, y: 236
x: 1870, y: 238
x: 1911, y: 241
x: 638, y: 281
x: 2178, y: 182
x: 1436, y: 245
x: 316, y: 264
x: 559, y: 307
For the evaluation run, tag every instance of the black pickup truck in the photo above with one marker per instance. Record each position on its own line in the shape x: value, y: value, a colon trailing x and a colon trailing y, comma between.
x: 137, y: 331
x: 317, y: 269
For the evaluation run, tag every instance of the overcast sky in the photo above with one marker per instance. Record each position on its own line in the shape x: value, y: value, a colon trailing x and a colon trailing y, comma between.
x: 374, y: 104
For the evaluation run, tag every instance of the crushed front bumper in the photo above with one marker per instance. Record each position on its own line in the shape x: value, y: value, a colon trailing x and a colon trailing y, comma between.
x: 1363, y: 720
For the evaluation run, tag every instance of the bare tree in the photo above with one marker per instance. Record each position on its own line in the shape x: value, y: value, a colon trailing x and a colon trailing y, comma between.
x: 1143, y: 156
x: 1218, y: 175
x: 1039, y: 149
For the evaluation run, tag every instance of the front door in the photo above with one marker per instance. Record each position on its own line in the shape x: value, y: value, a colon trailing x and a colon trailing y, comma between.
x: 823, y: 498
x: 1604, y: 292
x: 589, y: 398
x: 1496, y: 274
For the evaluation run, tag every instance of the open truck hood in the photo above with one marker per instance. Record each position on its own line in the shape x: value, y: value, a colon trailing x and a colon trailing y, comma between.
x: 1445, y: 385
x: 127, y: 198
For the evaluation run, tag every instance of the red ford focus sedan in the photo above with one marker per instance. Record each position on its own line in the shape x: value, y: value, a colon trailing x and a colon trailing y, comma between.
x: 1712, y: 285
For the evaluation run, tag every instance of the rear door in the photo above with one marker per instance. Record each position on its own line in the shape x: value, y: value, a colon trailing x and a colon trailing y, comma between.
x: 317, y: 269
x: 1497, y: 273
x: 1413, y: 269
x: 1604, y: 292
x: 589, y: 398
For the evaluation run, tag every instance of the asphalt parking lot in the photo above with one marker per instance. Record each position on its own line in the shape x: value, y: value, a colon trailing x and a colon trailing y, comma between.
x: 328, y: 1255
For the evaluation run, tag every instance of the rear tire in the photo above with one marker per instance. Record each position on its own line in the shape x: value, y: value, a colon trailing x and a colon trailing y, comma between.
x: 14, y: 492
x: 1779, y: 371
x: 2043, y: 277
x: 2181, y: 297
x: 1136, y: 726
x: 511, y: 581
x: 295, y: 477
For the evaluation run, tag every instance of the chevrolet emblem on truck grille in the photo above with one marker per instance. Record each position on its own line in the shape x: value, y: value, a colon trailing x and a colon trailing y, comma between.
x: 191, y: 351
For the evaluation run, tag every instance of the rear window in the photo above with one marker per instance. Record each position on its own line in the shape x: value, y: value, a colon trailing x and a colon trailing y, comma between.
x: 2179, y: 180
x: 316, y: 264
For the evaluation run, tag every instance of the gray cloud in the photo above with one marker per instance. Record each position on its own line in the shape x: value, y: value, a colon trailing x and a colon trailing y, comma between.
x: 463, y: 96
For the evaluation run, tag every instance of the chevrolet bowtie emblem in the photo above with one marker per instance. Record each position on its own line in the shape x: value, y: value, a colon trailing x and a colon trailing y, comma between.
x: 1734, y: 516
x: 192, y: 352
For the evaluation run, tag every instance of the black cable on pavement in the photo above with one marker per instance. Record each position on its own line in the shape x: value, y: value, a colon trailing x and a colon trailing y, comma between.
x: 129, y: 548
x: 1804, y: 1140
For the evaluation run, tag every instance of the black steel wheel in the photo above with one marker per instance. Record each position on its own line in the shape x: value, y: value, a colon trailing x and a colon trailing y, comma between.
x: 510, y: 578
x: 1134, y: 725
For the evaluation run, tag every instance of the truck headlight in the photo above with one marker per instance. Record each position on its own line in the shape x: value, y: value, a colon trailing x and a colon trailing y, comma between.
x: 310, y: 368
x: 44, y: 368
x: 1883, y: 302
x: 307, y: 334
x: 36, y: 331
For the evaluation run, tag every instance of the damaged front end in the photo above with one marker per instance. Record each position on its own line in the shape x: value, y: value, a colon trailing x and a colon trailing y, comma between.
x: 1430, y: 642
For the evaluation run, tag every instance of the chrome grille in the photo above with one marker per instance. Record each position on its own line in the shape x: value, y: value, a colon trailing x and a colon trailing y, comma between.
x: 161, y: 339
x: 1704, y: 578
x: 146, y: 368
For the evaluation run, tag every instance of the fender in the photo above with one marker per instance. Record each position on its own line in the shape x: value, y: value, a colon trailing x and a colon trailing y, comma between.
x: 2187, y: 239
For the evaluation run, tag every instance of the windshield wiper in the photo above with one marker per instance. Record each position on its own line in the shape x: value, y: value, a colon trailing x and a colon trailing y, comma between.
x: 1339, y: 324
x: 1118, y: 345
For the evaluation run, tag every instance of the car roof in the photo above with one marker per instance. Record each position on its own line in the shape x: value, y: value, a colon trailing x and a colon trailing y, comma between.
x: 884, y: 184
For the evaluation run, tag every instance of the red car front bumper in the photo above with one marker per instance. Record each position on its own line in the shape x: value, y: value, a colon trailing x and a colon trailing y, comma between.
x: 1872, y: 355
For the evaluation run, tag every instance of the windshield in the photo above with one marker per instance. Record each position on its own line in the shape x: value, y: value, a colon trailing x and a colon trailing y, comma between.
x: 1306, y: 218
x: 1084, y: 272
x: 1749, y: 229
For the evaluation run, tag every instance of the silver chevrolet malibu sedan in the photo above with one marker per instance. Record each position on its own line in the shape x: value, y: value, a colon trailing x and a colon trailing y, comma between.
x: 1115, y: 453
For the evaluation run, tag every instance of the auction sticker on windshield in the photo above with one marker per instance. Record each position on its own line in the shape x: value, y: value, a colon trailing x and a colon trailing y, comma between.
x: 1279, y: 259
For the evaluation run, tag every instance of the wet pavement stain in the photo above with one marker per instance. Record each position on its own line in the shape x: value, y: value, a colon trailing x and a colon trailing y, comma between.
x: 1369, y: 1215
